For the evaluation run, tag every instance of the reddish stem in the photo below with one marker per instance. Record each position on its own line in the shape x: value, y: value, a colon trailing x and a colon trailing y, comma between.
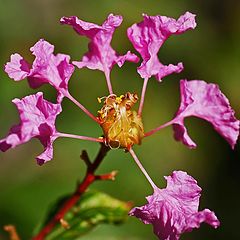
x: 12, y: 232
x: 108, y: 176
x: 71, y: 201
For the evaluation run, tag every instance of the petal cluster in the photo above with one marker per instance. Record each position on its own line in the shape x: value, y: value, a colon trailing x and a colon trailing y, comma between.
x: 206, y: 101
x: 149, y: 35
x: 101, y: 55
x: 37, y: 119
x: 46, y: 68
x: 174, y: 209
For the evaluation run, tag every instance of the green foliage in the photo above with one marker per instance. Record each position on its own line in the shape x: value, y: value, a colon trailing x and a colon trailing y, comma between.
x: 92, y: 209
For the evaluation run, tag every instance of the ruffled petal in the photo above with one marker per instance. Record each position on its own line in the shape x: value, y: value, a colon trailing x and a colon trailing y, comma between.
x: 46, y: 155
x: 17, y: 68
x: 101, y: 55
x: 181, y: 134
x: 206, y: 101
x: 149, y: 35
x: 127, y: 57
x: 206, y: 216
x: 174, y: 209
x: 12, y: 140
x: 47, y: 138
x: 37, y: 119
x: 46, y: 68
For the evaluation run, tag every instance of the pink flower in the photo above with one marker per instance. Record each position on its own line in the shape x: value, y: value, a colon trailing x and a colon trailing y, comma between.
x: 46, y: 68
x: 37, y: 119
x: 101, y: 55
x: 206, y: 101
x: 149, y: 35
x: 174, y: 209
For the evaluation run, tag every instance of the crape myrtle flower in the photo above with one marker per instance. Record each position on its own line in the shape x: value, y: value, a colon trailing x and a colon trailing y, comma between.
x: 174, y: 209
x: 101, y: 55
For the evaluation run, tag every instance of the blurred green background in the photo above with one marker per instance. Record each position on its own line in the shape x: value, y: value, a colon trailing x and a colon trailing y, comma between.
x: 210, y: 52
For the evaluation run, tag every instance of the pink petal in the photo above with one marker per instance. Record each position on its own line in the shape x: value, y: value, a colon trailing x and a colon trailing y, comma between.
x: 205, y: 101
x: 174, y: 209
x: 149, y: 35
x: 206, y: 216
x: 47, y: 138
x: 12, y: 140
x: 46, y: 68
x: 37, y: 119
x: 101, y: 55
x: 127, y: 57
x: 181, y: 134
x: 17, y: 68
x: 46, y: 156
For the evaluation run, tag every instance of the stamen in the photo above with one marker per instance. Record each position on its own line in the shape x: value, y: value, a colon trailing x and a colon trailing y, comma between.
x: 119, y: 122
x: 101, y: 98
x: 119, y: 99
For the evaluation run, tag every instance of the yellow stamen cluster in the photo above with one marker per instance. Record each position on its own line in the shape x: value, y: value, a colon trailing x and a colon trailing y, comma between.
x: 122, y: 127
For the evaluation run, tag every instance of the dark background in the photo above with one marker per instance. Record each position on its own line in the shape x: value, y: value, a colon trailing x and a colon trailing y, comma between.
x: 211, y: 52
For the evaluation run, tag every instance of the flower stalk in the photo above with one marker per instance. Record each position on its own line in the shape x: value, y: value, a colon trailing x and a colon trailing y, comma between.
x: 67, y: 135
x: 142, y: 168
x: 70, y: 97
x: 108, y: 80
x: 151, y: 132
x: 89, y: 178
x: 144, y: 88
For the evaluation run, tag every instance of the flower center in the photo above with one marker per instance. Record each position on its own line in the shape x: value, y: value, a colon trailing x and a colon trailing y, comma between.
x: 122, y: 127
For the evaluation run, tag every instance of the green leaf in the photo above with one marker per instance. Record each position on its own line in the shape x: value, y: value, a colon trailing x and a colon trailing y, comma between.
x: 92, y: 209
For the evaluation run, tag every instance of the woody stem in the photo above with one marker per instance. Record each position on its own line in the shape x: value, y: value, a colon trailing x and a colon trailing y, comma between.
x: 89, y: 178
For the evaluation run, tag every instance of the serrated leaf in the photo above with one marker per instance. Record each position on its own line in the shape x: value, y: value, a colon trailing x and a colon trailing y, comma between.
x: 92, y: 209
